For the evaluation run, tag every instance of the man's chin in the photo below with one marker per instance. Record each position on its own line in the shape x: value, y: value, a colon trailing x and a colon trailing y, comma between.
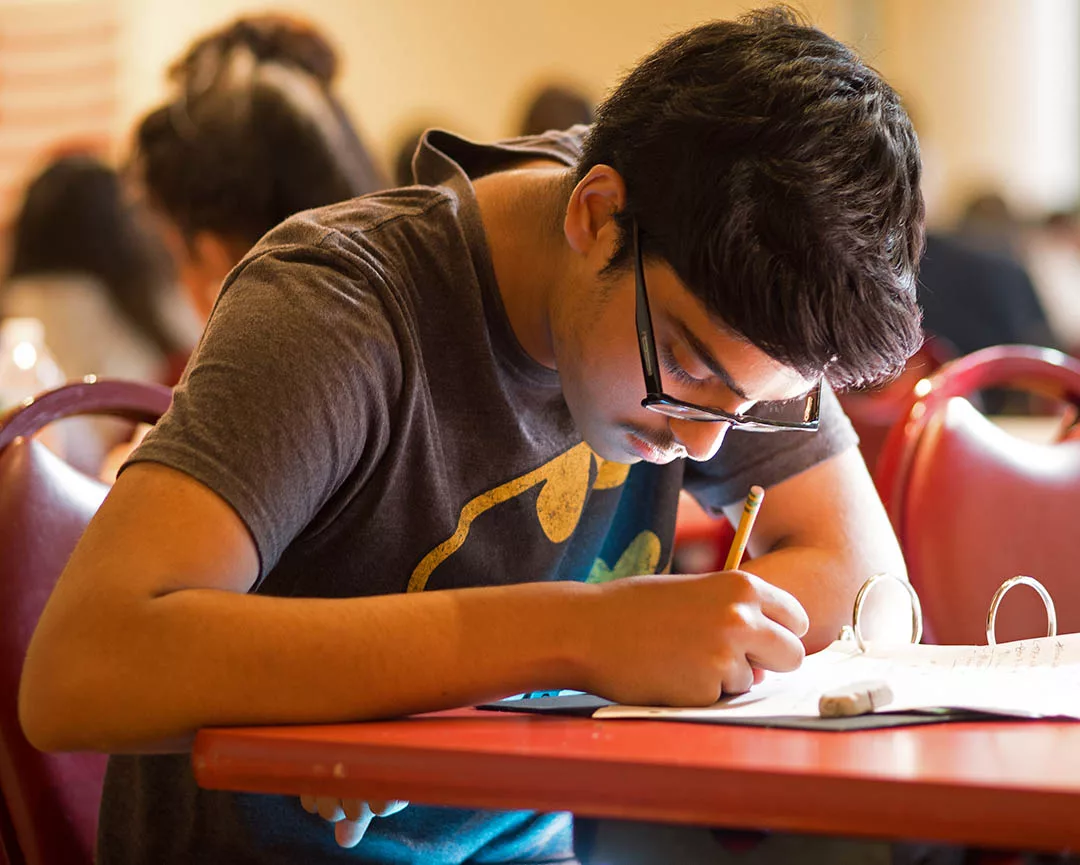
x: 611, y: 452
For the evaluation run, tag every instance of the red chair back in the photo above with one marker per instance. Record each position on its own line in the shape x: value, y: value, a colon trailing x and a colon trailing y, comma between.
x: 973, y: 505
x: 7, y: 838
x: 51, y: 799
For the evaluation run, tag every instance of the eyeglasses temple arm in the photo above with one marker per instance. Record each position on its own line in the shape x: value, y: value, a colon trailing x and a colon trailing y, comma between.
x: 646, y: 343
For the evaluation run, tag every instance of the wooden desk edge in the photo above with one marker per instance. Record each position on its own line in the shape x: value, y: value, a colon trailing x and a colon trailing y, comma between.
x: 988, y: 816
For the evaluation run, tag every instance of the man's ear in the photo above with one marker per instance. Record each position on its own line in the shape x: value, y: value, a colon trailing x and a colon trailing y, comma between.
x: 590, y: 213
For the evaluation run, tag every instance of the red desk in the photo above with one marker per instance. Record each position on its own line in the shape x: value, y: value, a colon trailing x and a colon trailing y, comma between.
x: 995, y: 785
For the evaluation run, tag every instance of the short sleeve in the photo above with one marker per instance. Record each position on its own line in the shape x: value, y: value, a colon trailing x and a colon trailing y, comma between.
x: 290, y: 391
x: 748, y: 458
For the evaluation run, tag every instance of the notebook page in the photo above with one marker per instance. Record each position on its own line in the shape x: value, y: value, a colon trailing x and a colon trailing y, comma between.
x: 1027, y: 678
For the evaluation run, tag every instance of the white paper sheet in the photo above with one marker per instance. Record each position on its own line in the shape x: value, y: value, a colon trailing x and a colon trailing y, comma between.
x: 1029, y: 678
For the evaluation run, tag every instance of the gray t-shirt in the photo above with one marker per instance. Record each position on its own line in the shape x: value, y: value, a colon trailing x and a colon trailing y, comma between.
x: 361, y: 401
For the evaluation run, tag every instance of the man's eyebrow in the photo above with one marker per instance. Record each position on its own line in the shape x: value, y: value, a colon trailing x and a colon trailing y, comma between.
x: 711, y: 363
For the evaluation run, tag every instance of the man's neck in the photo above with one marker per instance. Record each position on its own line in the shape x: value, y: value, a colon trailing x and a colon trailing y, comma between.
x: 520, y: 209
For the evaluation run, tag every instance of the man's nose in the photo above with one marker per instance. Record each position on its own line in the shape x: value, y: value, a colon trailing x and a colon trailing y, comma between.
x: 700, y: 439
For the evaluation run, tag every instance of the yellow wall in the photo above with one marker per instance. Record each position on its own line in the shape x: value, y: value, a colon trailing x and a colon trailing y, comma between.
x: 995, y: 88
x: 994, y: 82
x: 467, y: 63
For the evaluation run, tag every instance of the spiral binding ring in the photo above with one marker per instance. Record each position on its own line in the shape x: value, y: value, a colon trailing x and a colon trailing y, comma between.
x: 860, y: 600
x: 1003, y: 589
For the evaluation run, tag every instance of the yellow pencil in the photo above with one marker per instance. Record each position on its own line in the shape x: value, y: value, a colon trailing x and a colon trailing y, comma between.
x: 746, y: 523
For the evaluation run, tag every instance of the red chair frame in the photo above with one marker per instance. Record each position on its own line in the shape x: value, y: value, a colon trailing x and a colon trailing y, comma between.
x: 50, y: 801
x: 1044, y: 371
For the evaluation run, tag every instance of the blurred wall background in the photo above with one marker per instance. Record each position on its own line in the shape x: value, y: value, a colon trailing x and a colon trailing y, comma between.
x: 994, y: 88
x: 994, y: 85
x: 60, y: 80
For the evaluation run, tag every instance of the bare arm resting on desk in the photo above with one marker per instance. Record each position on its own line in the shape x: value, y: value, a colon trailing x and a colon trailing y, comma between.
x: 820, y: 535
x: 151, y: 634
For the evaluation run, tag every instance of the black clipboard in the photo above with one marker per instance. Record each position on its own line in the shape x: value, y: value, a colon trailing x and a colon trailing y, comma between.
x: 584, y: 705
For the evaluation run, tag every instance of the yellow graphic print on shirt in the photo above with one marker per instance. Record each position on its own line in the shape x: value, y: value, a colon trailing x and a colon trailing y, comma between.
x: 641, y: 557
x: 565, y: 488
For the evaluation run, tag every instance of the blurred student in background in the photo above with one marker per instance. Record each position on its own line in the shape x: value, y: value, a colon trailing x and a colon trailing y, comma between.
x: 975, y: 288
x: 974, y: 297
x: 86, y: 265
x: 254, y: 135
x: 556, y: 107
x: 987, y: 221
x: 1053, y: 255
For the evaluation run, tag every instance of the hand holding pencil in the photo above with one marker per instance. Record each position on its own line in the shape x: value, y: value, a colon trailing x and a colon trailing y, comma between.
x: 741, y: 539
x: 687, y: 639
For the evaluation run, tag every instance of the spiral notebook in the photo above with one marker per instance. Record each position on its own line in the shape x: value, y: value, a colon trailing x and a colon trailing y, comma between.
x: 1035, y: 678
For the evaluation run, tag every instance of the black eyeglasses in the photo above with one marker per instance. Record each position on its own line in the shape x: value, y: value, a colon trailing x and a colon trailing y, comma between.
x: 796, y: 414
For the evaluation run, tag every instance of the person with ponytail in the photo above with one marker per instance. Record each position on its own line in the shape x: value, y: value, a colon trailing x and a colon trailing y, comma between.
x: 253, y: 134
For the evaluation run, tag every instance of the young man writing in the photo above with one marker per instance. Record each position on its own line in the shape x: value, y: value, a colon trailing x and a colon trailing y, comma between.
x: 411, y: 456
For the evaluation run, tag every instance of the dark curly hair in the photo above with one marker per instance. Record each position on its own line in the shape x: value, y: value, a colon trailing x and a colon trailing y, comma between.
x: 778, y: 176
x: 255, y: 134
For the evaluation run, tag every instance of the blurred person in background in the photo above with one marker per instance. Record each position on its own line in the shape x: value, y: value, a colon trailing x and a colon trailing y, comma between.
x: 556, y: 107
x: 1053, y: 254
x: 987, y: 221
x: 254, y: 134
x: 974, y: 298
x: 974, y: 287
x: 86, y: 264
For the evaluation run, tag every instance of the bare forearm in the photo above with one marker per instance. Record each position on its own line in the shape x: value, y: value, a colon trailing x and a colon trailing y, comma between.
x: 820, y: 536
x: 826, y: 582
x: 203, y: 657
